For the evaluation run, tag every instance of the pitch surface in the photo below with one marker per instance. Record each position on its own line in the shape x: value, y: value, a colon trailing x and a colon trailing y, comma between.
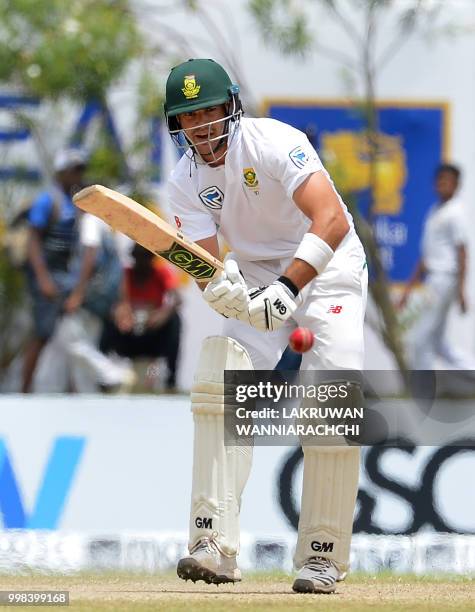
x: 257, y: 592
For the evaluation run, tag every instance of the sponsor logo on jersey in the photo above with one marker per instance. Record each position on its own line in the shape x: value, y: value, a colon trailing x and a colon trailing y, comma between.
x: 181, y: 257
x: 212, y: 197
x: 250, y: 179
x: 190, y: 89
x: 178, y: 221
x: 322, y: 546
x: 299, y: 157
x: 204, y: 523
x: 335, y: 309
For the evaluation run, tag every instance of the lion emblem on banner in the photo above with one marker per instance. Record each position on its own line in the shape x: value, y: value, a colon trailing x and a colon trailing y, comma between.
x: 347, y: 158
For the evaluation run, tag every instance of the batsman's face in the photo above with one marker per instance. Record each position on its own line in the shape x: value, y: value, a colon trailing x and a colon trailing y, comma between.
x: 204, y: 128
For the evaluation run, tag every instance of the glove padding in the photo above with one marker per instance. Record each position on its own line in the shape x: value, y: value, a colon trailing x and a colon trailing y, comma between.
x: 228, y: 294
x: 271, y: 306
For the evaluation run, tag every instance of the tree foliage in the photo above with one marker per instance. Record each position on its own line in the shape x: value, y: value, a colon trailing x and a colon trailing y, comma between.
x: 59, y: 48
x: 287, y: 25
x: 58, y: 51
x: 283, y: 23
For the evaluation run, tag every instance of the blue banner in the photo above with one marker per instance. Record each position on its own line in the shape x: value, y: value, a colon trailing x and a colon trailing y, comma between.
x: 54, y: 488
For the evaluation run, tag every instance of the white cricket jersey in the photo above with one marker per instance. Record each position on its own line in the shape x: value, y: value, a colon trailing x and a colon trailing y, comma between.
x: 249, y: 198
x: 444, y: 231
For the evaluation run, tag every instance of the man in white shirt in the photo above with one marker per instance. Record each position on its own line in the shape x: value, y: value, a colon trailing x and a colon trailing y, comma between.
x: 261, y: 184
x: 443, y: 264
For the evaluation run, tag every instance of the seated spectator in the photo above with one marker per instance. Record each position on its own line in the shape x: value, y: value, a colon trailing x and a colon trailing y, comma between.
x: 146, y: 322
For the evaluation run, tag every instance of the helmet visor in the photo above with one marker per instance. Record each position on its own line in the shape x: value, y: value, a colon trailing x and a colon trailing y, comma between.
x: 206, y: 142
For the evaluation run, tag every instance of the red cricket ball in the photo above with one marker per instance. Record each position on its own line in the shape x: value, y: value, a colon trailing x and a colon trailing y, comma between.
x: 301, y: 340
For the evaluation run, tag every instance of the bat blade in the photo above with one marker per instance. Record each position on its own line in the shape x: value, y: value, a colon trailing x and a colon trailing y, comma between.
x: 145, y: 227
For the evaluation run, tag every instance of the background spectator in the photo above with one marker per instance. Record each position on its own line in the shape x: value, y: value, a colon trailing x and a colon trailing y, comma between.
x: 442, y: 266
x: 52, y: 242
x: 88, y: 306
x: 146, y: 322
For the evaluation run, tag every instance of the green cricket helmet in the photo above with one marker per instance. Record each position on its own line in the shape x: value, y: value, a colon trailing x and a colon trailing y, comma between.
x: 198, y: 84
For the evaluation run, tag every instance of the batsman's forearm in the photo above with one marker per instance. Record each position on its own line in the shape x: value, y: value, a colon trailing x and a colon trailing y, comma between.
x: 314, y: 253
x: 300, y: 273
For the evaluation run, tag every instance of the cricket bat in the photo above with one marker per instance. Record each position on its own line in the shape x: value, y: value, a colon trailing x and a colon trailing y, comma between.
x: 148, y: 229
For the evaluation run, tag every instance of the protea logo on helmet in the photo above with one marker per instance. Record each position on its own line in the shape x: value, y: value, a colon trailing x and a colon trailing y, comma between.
x: 190, y: 89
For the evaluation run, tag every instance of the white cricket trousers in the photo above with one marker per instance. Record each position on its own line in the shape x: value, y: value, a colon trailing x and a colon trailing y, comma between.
x: 427, y: 340
x: 333, y: 308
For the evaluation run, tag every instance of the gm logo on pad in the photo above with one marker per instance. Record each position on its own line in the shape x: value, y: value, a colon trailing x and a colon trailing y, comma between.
x: 212, y: 197
x: 322, y: 546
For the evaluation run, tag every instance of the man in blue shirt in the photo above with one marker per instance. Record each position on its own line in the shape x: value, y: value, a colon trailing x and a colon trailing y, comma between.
x: 52, y: 243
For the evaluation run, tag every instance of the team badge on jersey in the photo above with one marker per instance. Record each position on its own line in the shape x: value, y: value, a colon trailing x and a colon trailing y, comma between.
x: 190, y: 89
x: 212, y: 197
x: 299, y: 157
x: 250, y: 179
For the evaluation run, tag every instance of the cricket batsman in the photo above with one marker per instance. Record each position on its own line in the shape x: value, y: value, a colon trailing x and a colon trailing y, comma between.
x: 296, y: 261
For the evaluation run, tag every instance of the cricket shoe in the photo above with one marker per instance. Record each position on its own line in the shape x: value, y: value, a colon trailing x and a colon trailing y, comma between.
x: 318, y: 575
x: 206, y: 562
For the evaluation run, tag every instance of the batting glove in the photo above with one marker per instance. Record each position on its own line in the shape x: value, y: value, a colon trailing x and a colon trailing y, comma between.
x: 228, y: 294
x: 271, y: 306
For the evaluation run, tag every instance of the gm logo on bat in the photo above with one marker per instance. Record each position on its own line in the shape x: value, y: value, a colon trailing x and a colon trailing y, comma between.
x: 181, y: 257
x: 55, y: 486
